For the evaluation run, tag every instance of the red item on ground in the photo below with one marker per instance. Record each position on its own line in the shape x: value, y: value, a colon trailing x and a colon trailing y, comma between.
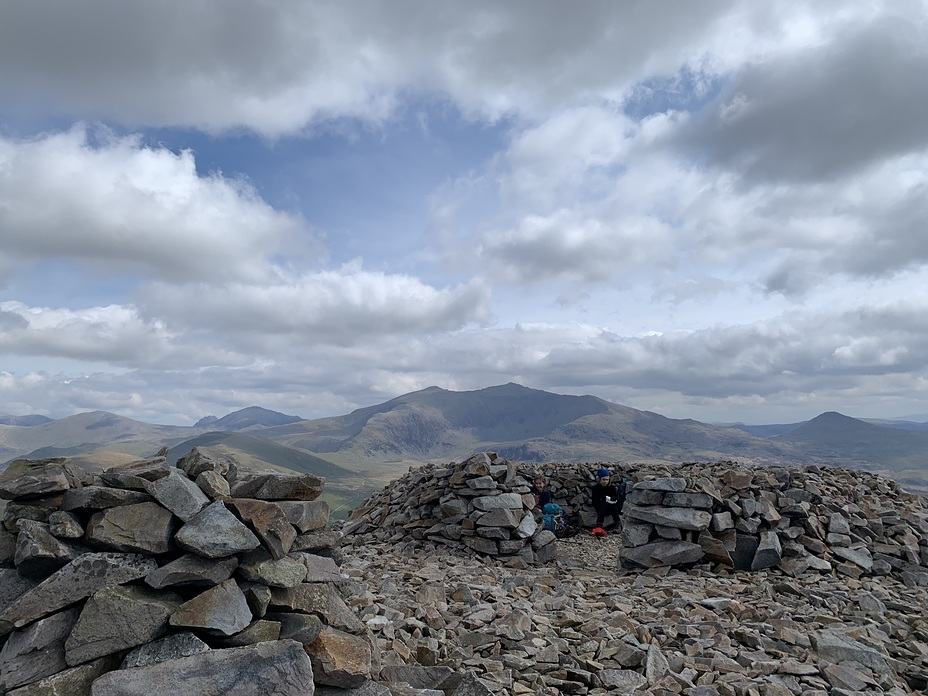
x: 599, y: 532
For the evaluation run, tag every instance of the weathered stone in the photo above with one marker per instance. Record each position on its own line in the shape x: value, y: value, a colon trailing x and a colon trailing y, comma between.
x: 215, y: 532
x: 259, y: 566
x: 221, y: 610
x: 669, y: 483
x: 76, y: 681
x: 13, y: 586
x: 500, y: 517
x: 202, y: 459
x: 80, y: 578
x: 858, y: 555
x: 303, y: 628
x: 259, y: 631
x: 692, y: 500
x: 306, y: 515
x: 317, y: 598
x: 117, y: 618
x: 271, y: 486
x: 35, y: 509
x: 178, y: 494
x: 38, y: 553
x: 482, y: 483
x: 835, y: 647
x: 65, y: 525
x: 340, y: 659
x: 318, y: 568
x: 768, y: 552
x: 7, y: 545
x: 683, y: 518
x: 191, y: 569
x: 317, y: 541
x: 171, y: 647
x: 624, y: 681
x: 510, y: 501
x: 25, y: 478
x: 258, y: 597
x: 136, y: 475
x: 714, y: 549
x: 658, y: 553
x: 280, y: 667
x: 142, y: 527
x: 528, y: 525
x: 101, y: 498
x: 213, y: 485
x: 636, y: 534
x: 268, y: 521
x: 36, y: 651
x: 743, y: 554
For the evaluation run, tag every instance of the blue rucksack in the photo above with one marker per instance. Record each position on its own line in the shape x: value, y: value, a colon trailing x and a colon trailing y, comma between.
x: 554, y: 519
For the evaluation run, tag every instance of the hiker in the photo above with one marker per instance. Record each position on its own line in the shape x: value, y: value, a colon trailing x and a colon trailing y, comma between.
x: 541, y: 492
x: 608, y: 499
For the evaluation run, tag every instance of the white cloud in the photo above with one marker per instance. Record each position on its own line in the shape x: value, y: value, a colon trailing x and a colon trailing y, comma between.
x: 131, y: 208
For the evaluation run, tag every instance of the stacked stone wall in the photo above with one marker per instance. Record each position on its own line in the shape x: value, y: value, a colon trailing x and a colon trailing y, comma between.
x: 726, y: 515
x: 202, y: 578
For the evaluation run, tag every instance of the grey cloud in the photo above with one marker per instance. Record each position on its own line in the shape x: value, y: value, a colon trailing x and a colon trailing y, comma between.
x: 277, y: 67
x: 824, y: 111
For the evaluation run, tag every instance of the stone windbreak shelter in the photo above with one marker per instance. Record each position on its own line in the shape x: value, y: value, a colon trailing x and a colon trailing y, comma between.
x: 722, y: 514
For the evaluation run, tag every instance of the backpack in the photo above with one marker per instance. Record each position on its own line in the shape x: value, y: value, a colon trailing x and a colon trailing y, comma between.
x: 554, y: 519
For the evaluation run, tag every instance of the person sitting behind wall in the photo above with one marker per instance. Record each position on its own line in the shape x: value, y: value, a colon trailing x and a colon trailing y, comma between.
x: 607, y: 500
x: 541, y: 492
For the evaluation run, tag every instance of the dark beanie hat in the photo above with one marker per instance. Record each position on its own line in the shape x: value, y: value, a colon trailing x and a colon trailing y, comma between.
x: 603, y: 473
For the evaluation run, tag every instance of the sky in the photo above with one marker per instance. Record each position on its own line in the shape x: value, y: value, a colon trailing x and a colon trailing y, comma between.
x: 712, y: 210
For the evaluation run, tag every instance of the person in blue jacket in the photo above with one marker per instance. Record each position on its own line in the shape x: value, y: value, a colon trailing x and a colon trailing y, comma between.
x: 608, y: 499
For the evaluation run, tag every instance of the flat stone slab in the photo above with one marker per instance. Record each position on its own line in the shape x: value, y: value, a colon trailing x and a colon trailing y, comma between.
x: 37, y: 650
x: 215, y: 532
x: 317, y: 598
x: 191, y: 569
x: 118, y: 618
x: 663, y: 553
x: 81, y: 578
x: 682, y: 518
x: 268, y: 521
x: 136, y: 475
x: 178, y: 494
x: 279, y: 667
x: 171, y: 647
x: 669, y: 484
x: 271, y: 486
x: 143, y: 528
x: 340, y: 659
x: 101, y: 498
x: 306, y: 515
x: 221, y: 610
x: 25, y: 478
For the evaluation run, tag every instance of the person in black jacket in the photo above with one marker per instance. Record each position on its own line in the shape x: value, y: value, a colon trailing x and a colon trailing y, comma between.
x: 608, y: 499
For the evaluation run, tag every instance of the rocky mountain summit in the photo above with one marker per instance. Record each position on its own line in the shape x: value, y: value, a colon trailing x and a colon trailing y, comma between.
x: 208, y: 579
x: 725, y: 580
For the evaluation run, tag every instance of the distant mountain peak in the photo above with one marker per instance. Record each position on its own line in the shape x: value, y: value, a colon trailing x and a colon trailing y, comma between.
x: 251, y: 416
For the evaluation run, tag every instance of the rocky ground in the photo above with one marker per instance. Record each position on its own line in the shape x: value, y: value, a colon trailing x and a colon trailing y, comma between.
x: 583, y: 625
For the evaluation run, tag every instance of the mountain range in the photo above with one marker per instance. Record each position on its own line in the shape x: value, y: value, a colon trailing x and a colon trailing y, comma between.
x: 370, y: 446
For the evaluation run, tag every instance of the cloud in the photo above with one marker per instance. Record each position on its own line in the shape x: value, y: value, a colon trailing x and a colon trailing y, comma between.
x: 823, y: 112
x: 131, y: 208
x: 279, y: 67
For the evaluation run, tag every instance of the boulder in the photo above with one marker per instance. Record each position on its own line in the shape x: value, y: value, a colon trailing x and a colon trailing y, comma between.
x: 215, y: 532
x: 178, y: 494
x: 142, y: 527
x: 306, y: 515
x: 221, y: 610
x: 101, y: 498
x: 36, y: 651
x: 171, y: 647
x: 191, y: 569
x: 272, y: 486
x: 682, y: 518
x: 268, y: 521
x: 340, y: 659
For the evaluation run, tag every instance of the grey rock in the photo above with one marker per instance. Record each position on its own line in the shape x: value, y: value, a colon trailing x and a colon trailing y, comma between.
x: 213, y: 485
x: 65, y: 525
x: 271, y: 486
x: 136, y: 475
x: 661, y: 553
x: 340, y: 659
x: 7, y: 545
x: 13, y: 586
x: 171, y: 647
x: 368, y: 688
x: 683, y: 518
x: 768, y: 553
x: 836, y: 647
x: 191, y: 569
x: 500, y: 517
x: 82, y: 577
x: 36, y: 651
x: 624, y: 681
x: 281, y: 668
x: 303, y: 628
x: 317, y: 598
x: 268, y: 521
x: 508, y: 501
x: 671, y: 484
x: 76, y: 681
x: 221, y: 610
x: 101, y: 498
x: 259, y: 631
x: 528, y: 525
x: 318, y: 568
x: 317, y: 541
x: 178, y: 494
x: 858, y: 555
x: 38, y: 553
x: 215, y: 532
x: 143, y: 528
x: 693, y: 500
x: 258, y: 597
x: 306, y: 515
x: 203, y: 459
x: 117, y: 618
x: 260, y: 567
x: 29, y: 478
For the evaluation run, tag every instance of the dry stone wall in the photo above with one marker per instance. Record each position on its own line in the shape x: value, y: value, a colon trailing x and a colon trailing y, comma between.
x: 798, y: 519
x: 203, y: 578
